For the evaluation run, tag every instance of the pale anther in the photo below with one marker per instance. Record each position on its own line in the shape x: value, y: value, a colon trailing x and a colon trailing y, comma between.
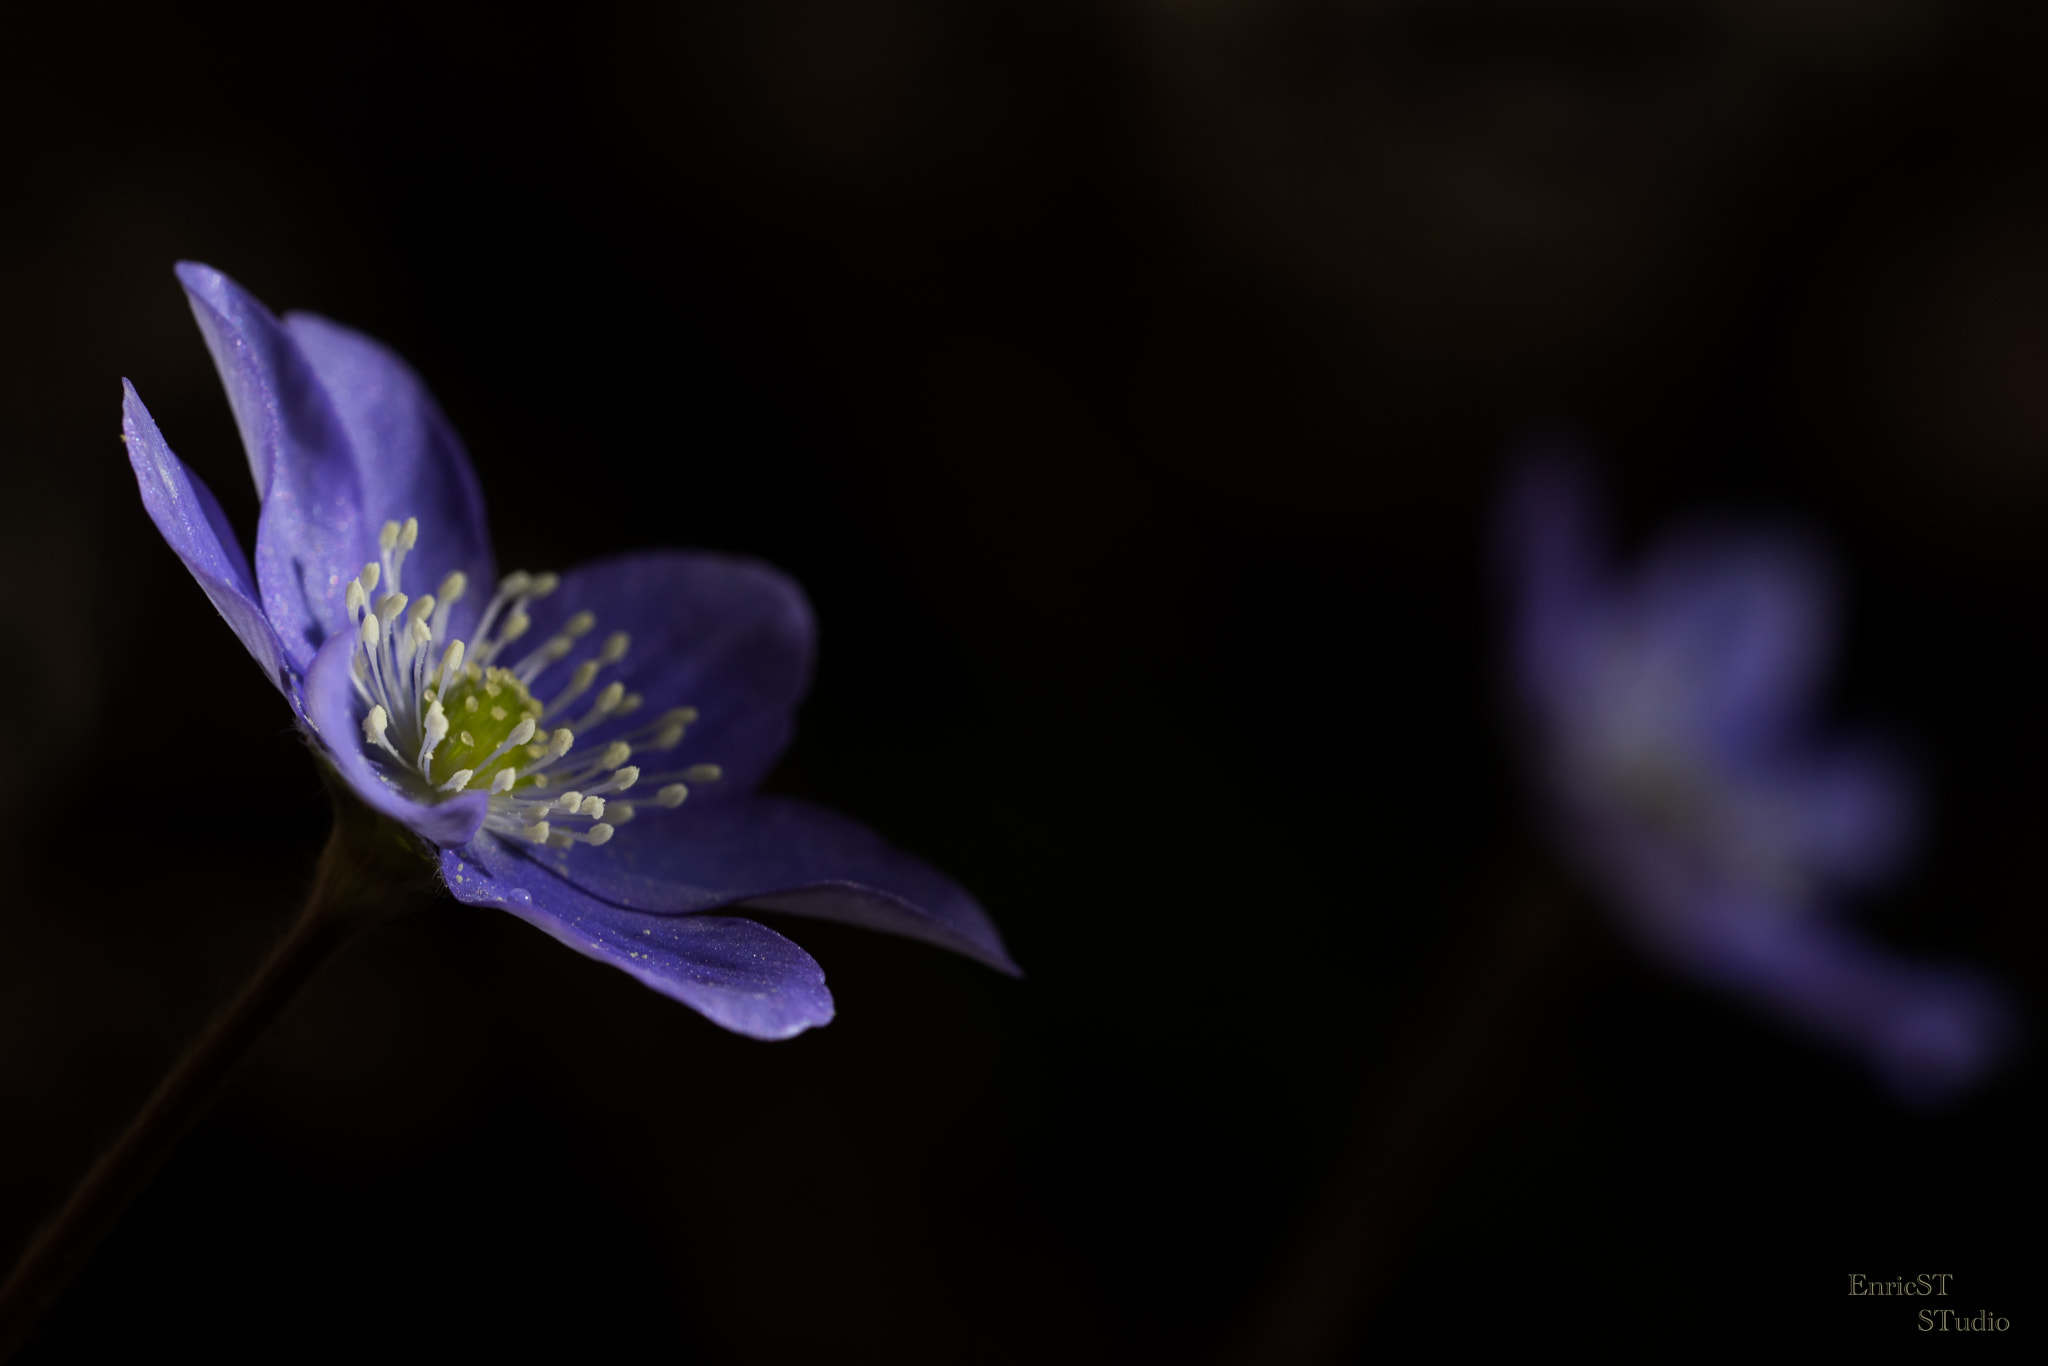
x: 703, y: 773
x: 458, y: 780
x: 672, y: 795
x: 599, y: 833
x: 615, y: 646
x: 502, y: 783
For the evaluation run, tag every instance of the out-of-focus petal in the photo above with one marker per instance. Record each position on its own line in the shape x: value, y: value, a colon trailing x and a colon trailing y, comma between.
x: 335, y: 713
x: 1851, y: 815
x: 408, y: 461
x: 310, y: 538
x: 185, y: 512
x: 736, y: 973
x: 730, y: 637
x: 779, y: 855
x: 1739, y: 625
x: 1548, y: 547
x: 1930, y: 1033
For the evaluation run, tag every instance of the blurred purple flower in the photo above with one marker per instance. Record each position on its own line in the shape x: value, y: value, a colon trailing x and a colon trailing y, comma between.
x: 531, y: 771
x: 1670, y: 738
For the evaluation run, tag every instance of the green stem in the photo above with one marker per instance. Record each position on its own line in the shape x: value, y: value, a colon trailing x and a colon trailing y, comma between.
x: 368, y: 867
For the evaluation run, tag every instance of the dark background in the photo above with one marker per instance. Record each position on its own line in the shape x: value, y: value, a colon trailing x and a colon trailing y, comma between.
x: 1127, y: 383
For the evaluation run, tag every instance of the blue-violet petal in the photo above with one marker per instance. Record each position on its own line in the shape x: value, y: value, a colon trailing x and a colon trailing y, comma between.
x: 738, y: 974
x: 780, y: 855
x: 184, y: 510
x: 311, y: 537
x: 408, y: 460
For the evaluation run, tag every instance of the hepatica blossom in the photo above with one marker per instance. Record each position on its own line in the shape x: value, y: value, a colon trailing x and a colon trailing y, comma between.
x: 579, y: 750
x: 1671, y: 742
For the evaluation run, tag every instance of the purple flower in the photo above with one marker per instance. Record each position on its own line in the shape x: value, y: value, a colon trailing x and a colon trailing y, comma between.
x: 541, y: 732
x: 1667, y: 720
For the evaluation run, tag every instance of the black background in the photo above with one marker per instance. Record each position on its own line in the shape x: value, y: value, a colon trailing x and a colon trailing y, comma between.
x: 1126, y: 383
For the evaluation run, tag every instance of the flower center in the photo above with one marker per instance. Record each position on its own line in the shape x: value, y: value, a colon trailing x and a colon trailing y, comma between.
x: 445, y: 718
x: 483, y: 708
x: 1641, y: 757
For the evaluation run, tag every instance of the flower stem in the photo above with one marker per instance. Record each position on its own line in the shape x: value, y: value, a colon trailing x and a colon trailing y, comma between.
x: 367, y: 870
x: 1311, y: 1315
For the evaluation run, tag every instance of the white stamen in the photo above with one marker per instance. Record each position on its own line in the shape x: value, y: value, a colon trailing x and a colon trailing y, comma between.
x: 703, y: 773
x: 579, y: 683
x: 607, y: 702
x: 521, y: 733
x: 408, y: 688
x: 436, y: 730
x: 451, y: 666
